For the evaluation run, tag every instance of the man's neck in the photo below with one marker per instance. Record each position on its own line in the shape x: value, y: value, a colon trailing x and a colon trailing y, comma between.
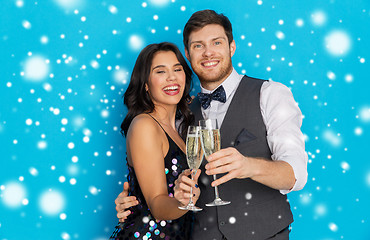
x: 210, y: 86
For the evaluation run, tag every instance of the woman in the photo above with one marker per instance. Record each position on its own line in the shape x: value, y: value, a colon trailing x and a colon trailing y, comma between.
x: 157, y: 93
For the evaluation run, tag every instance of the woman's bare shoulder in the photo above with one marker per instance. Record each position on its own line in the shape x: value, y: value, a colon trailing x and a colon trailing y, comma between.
x: 143, y: 124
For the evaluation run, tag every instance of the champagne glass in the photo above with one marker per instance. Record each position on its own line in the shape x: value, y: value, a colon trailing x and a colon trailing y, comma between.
x: 194, y: 156
x: 211, y: 143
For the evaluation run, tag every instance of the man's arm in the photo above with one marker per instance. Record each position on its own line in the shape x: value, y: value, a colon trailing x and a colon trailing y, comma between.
x: 182, y: 194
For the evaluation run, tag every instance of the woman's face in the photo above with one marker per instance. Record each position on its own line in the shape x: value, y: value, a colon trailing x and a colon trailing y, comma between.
x: 166, y: 80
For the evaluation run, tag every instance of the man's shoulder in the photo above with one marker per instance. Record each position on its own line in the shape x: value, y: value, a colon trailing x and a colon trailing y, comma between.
x: 265, y: 81
x: 251, y: 82
x: 246, y: 77
x: 271, y: 85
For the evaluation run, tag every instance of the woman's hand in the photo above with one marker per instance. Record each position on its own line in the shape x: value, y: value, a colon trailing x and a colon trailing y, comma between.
x: 183, y: 184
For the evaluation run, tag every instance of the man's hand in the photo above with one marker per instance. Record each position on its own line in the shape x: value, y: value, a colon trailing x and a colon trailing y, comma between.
x: 183, y: 184
x: 275, y: 174
x: 230, y: 161
x: 123, y: 202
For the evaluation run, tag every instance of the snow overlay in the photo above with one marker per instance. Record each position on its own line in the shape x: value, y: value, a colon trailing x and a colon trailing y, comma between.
x: 65, y: 65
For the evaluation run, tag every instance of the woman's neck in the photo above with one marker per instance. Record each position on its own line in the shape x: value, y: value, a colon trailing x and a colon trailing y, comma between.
x: 166, y: 116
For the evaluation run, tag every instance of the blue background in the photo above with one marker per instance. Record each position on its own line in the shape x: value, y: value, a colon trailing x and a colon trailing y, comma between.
x: 65, y: 65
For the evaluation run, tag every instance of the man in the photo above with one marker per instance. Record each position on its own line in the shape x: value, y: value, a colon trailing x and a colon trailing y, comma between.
x: 262, y: 156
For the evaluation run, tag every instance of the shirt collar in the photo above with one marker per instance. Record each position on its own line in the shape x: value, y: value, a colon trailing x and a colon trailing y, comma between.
x: 230, y: 84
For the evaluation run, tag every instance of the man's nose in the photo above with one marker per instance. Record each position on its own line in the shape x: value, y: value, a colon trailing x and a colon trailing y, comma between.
x: 208, y: 51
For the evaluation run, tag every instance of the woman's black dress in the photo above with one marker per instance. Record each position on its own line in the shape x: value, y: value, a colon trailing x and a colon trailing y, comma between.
x: 141, y: 224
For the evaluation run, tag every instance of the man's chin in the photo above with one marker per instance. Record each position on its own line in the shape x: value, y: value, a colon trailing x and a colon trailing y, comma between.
x: 209, y: 76
x: 213, y: 77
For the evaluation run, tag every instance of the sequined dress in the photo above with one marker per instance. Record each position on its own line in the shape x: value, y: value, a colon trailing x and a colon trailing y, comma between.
x: 141, y: 224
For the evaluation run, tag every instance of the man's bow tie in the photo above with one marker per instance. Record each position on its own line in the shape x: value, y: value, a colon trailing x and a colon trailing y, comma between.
x: 218, y: 95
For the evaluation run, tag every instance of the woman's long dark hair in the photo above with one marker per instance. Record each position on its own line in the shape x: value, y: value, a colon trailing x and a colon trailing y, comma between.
x: 138, y: 100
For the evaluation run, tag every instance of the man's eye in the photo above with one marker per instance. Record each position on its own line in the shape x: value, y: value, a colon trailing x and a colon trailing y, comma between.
x: 217, y: 43
x: 197, y: 46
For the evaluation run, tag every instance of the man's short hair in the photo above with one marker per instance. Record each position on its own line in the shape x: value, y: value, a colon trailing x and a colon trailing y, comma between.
x: 205, y: 17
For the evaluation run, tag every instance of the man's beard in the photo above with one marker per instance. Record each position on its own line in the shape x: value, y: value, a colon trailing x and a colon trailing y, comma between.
x: 223, y: 73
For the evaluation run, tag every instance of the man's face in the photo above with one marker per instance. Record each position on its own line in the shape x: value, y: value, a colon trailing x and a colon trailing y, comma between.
x: 210, y: 55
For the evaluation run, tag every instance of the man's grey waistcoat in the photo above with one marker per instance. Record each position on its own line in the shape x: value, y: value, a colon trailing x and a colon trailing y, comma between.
x: 256, y: 211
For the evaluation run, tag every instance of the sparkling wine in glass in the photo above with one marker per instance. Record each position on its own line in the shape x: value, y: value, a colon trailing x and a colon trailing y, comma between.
x: 211, y: 143
x: 194, y: 156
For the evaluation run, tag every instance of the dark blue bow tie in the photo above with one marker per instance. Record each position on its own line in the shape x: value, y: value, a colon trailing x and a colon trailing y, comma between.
x: 218, y: 95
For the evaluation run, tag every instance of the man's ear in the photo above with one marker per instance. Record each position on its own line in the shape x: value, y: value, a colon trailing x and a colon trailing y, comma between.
x: 187, y: 54
x: 232, y: 48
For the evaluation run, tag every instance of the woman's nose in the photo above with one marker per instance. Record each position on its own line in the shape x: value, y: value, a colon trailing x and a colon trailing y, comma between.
x: 171, y: 76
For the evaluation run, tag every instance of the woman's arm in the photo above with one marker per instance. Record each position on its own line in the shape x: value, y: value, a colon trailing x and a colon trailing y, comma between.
x: 147, y: 145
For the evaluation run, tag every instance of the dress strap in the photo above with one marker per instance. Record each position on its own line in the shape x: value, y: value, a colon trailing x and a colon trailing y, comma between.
x: 158, y: 123
x: 168, y: 136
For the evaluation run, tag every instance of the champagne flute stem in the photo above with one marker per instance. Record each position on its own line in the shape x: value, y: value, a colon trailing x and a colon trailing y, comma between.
x: 191, y: 191
x: 216, y: 189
